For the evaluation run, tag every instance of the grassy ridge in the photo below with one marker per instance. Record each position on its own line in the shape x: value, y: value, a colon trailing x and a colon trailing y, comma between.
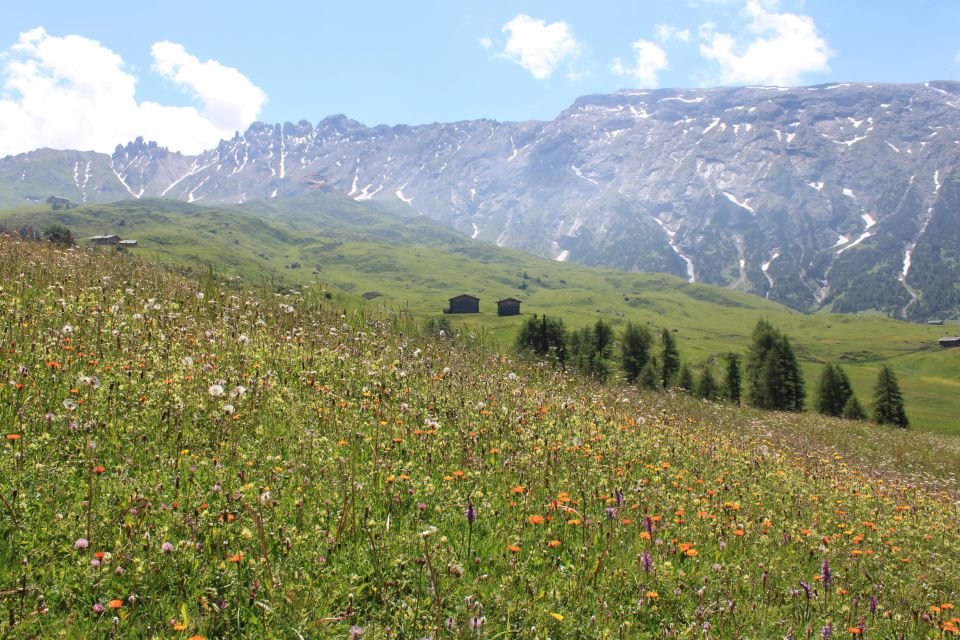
x: 257, y: 466
x: 416, y: 264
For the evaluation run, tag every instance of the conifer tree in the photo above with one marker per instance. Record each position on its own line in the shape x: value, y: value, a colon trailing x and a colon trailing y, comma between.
x: 648, y: 376
x: 546, y: 337
x: 707, y: 385
x: 670, y: 359
x: 888, y: 401
x: 833, y: 390
x: 634, y: 350
x: 685, y: 378
x: 772, y: 369
x: 853, y: 410
x: 733, y: 381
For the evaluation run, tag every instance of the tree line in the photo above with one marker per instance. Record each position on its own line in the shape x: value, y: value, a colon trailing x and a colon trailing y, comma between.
x: 770, y: 379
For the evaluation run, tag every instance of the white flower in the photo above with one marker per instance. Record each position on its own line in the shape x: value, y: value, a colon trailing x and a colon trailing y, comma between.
x: 243, y: 339
x: 216, y: 390
x: 238, y: 392
x: 187, y: 362
x: 229, y: 409
x: 199, y: 295
x: 67, y: 330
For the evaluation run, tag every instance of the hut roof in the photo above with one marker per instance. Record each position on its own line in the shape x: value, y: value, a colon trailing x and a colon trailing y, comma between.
x: 464, y: 296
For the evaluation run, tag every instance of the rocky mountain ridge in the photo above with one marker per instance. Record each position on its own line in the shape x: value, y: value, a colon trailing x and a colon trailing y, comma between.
x: 842, y: 196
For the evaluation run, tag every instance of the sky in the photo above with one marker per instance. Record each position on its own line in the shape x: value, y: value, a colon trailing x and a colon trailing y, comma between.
x: 94, y: 74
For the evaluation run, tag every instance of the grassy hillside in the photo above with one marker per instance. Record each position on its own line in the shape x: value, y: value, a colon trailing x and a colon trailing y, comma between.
x: 245, y: 465
x: 415, y: 264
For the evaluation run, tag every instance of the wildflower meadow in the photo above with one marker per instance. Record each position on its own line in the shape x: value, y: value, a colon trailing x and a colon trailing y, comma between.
x: 187, y: 458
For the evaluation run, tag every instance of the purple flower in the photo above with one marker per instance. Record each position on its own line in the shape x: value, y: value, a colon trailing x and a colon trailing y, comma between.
x: 827, y: 631
x: 646, y: 560
x: 825, y: 574
x: 611, y: 513
x: 421, y: 507
x: 81, y: 543
x: 166, y: 547
x: 648, y: 524
x: 471, y: 513
x: 355, y: 632
x: 806, y: 589
x: 619, y: 495
x: 873, y: 604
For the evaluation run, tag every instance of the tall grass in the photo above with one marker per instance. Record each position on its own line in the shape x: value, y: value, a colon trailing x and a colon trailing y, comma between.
x: 186, y: 459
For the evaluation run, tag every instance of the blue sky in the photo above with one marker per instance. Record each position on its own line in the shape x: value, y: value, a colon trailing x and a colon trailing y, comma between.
x: 187, y: 73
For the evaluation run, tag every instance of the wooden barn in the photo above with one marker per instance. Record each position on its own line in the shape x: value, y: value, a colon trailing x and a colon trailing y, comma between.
x: 508, y: 307
x: 464, y: 303
x: 949, y: 342
x: 105, y: 241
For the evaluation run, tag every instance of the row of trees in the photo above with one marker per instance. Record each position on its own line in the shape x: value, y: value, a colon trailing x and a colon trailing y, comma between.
x: 773, y: 376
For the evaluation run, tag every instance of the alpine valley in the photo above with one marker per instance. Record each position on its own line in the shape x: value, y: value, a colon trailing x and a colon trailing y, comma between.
x: 843, y: 197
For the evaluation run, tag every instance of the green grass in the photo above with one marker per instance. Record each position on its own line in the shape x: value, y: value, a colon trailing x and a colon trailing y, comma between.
x: 243, y: 464
x: 417, y: 264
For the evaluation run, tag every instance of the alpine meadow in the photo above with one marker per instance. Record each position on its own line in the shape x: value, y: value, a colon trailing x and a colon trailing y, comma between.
x: 603, y: 321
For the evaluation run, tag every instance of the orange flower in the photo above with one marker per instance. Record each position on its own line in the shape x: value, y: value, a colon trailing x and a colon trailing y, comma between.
x: 653, y: 595
x: 196, y: 638
x: 738, y: 532
x: 518, y: 489
x: 458, y: 473
x: 536, y: 519
x: 99, y: 469
x: 116, y: 603
x: 553, y: 543
x: 514, y: 548
x: 854, y: 631
x: 13, y: 436
x: 179, y: 626
x: 236, y: 558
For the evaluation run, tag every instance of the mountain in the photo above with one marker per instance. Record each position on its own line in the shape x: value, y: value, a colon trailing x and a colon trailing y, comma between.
x: 842, y: 197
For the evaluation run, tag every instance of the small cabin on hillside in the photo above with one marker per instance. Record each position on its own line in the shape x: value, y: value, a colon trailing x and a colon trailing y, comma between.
x: 464, y: 303
x: 508, y: 307
x: 105, y: 241
x: 59, y: 202
x: 949, y: 342
x: 127, y: 244
x: 936, y: 323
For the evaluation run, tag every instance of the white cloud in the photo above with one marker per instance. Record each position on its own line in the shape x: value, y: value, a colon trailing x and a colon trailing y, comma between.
x: 537, y: 46
x: 485, y: 42
x: 784, y: 48
x: 666, y: 32
x: 649, y: 61
x: 72, y: 92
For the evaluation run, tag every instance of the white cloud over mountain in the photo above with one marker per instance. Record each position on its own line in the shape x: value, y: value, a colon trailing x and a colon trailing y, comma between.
x: 72, y: 92
x: 649, y: 60
x: 537, y: 46
x: 784, y: 47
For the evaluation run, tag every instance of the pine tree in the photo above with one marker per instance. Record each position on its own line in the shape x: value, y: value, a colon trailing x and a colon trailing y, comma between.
x: 685, y: 378
x: 833, y: 390
x: 707, y: 385
x: 733, y: 380
x: 634, y: 350
x: 853, y: 410
x: 546, y: 337
x: 775, y: 379
x: 648, y: 376
x: 888, y: 401
x: 670, y: 359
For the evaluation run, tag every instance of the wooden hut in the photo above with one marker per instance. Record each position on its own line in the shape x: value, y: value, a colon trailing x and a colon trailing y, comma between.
x: 508, y: 307
x: 464, y: 303
x: 101, y: 241
x: 949, y: 342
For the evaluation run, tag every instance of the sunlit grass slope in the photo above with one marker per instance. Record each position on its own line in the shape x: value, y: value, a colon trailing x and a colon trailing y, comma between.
x: 186, y: 459
x: 414, y: 264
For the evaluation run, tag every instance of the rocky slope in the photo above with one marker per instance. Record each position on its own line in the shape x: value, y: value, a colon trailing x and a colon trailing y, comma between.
x: 843, y: 195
